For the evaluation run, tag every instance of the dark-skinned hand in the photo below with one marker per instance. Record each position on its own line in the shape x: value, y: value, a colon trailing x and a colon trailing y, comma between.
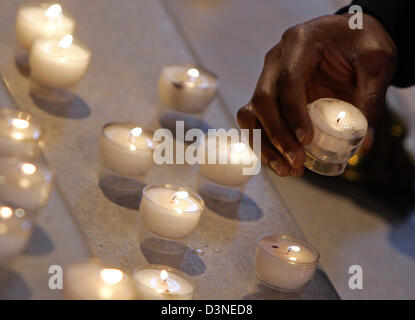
x: 321, y: 58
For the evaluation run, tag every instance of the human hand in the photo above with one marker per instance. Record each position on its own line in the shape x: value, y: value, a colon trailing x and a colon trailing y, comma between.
x: 321, y: 58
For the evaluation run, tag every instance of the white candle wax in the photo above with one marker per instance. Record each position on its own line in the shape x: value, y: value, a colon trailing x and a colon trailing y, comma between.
x: 58, y: 62
x: 15, y: 231
x: 284, y: 263
x: 92, y: 281
x: 238, y: 156
x: 127, y: 148
x: 187, y: 88
x: 162, y: 283
x: 36, y: 20
x: 169, y: 211
x: 20, y: 134
x: 24, y: 182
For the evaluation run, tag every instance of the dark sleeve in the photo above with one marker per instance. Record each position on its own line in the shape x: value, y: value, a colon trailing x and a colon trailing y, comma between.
x: 398, y: 17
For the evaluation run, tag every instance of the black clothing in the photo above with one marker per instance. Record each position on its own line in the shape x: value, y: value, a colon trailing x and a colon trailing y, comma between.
x: 398, y: 18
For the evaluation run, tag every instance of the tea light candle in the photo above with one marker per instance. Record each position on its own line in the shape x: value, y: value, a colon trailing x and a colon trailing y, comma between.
x: 24, y: 182
x: 339, y: 130
x: 15, y: 231
x: 187, y: 88
x: 156, y: 282
x: 20, y: 133
x: 127, y: 148
x: 58, y: 62
x: 237, y: 156
x: 35, y: 20
x: 92, y: 281
x: 284, y: 263
x: 170, y: 211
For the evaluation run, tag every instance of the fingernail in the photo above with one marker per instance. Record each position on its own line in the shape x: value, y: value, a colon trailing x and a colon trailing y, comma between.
x: 291, y: 157
x: 300, y: 133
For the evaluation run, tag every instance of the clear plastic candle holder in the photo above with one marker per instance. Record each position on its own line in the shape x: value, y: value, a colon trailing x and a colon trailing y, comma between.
x: 224, y: 173
x: 339, y: 130
x: 36, y: 20
x: 187, y: 88
x: 92, y: 280
x: 157, y: 282
x: 284, y: 263
x: 57, y: 64
x: 15, y: 231
x: 169, y: 214
x: 127, y: 149
x: 20, y: 134
x: 26, y: 182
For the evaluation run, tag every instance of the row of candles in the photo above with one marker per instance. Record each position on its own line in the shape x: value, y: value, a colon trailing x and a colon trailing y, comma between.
x: 167, y: 211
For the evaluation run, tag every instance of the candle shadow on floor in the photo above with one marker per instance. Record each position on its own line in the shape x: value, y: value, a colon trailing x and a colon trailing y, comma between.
x: 12, y: 285
x: 245, y: 209
x: 186, y: 261
x: 123, y: 191
x: 22, y: 64
x: 74, y: 108
x: 168, y: 121
x: 314, y: 289
x: 39, y: 243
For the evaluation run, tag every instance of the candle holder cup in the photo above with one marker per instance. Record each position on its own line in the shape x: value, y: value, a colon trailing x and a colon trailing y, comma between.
x: 187, y: 88
x: 16, y: 227
x: 284, y: 271
x: 339, y: 130
x: 166, y: 223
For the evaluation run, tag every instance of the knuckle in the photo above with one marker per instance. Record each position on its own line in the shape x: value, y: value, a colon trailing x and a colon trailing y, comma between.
x: 294, y: 33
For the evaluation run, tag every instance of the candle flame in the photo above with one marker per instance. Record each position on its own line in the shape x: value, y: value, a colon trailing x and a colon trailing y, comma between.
x: 136, y: 132
x: 181, y: 195
x: 27, y: 168
x: 239, y: 147
x: 341, y: 115
x: 193, y: 73
x: 294, y: 248
x: 112, y: 276
x: 293, y: 258
x: 66, y: 41
x: 164, y: 275
x: 53, y: 11
x: 6, y: 212
x: 20, y: 123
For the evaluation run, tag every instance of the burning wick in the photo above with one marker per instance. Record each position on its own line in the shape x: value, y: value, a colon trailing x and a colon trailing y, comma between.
x: 181, y: 195
x: 294, y: 248
x: 340, y: 116
x: 163, y: 277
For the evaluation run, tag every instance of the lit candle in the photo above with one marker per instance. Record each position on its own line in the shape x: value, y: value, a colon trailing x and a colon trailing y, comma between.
x: 24, y: 182
x: 156, y: 282
x: 170, y: 211
x: 15, y: 231
x: 92, y: 281
x: 187, y: 88
x: 35, y: 20
x: 20, y: 133
x: 127, y: 148
x: 237, y: 156
x: 58, y: 62
x: 339, y: 130
x: 284, y: 263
